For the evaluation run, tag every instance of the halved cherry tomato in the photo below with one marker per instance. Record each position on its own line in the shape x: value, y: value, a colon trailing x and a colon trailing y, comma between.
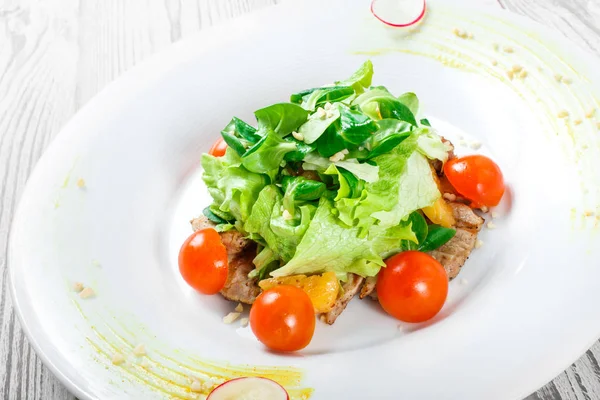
x: 412, y: 287
x: 218, y: 148
x: 477, y: 178
x: 203, y: 261
x: 283, y: 318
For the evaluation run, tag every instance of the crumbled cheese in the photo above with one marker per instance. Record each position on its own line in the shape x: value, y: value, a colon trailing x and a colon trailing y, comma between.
x: 87, y: 293
x: 360, y: 148
x: 196, y: 386
x: 139, y: 350
x: 80, y: 183
x: 320, y: 113
x: 475, y: 145
x: 588, y: 213
x: 287, y: 216
x: 491, y: 225
x: 590, y: 113
x: 508, y: 49
x: 462, y: 142
x: 329, y: 114
x: 239, y: 308
x: 470, y: 35
x: 118, y: 359
x: 463, y: 281
x: 510, y: 74
x: 78, y: 287
x: 517, y: 68
x: 244, y: 322
x: 523, y: 74
x: 494, y: 63
x: 484, y: 209
x: 558, y: 77
x: 339, y: 156
x: 562, y: 114
x: 577, y: 122
x: 478, y: 244
x: 400, y: 327
x: 328, y: 106
x: 450, y: 196
x: 495, y: 214
x: 567, y: 81
x: 231, y: 317
x: 298, y: 136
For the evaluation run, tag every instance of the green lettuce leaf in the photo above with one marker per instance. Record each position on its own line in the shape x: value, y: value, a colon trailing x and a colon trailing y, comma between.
x: 330, y: 245
x: 233, y: 188
x: 417, y: 189
x: 432, y: 146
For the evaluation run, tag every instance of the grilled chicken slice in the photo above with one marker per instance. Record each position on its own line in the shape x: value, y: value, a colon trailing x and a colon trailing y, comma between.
x: 368, y: 287
x: 240, y: 253
x: 453, y: 254
x: 350, y: 288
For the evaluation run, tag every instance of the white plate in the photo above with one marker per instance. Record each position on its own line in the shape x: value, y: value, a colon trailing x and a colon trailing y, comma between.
x: 523, y: 308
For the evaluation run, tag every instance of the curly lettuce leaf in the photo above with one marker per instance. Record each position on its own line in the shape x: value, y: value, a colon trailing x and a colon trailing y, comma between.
x: 330, y: 245
x: 431, y: 145
x: 233, y: 188
x: 417, y: 189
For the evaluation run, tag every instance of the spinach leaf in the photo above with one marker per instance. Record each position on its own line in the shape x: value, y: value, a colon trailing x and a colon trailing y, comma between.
x: 281, y: 118
x: 330, y: 142
x: 212, y: 217
x: 239, y: 135
x: 312, y: 129
x: 356, y: 127
x: 349, y: 185
x: 302, y: 149
x: 300, y: 189
x: 361, y: 78
x: 437, y: 236
x: 392, y: 108
x: 411, y: 101
x: 266, y: 155
x: 390, y: 134
x: 331, y: 94
x: 419, y: 228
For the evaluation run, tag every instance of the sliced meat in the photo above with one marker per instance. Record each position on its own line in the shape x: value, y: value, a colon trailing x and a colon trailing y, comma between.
x: 239, y: 287
x: 234, y: 241
x: 437, y: 164
x: 350, y: 288
x: 240, y: 253
x: 368, y: 287
x: 453, y: 254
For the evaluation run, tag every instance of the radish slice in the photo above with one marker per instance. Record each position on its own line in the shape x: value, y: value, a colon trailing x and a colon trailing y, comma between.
x: 251, y: 388
x: 399, y: 13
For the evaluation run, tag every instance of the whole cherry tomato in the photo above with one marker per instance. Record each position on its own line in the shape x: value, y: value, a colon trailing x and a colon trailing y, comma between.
x: 477, y: 178
x: 203, y: 261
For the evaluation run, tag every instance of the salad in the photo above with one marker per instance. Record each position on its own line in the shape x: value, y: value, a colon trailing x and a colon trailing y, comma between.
x: 342, y: 191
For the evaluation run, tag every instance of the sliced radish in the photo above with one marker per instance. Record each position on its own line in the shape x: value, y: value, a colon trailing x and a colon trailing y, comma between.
x: 399, y: 13
x: 251, y: 388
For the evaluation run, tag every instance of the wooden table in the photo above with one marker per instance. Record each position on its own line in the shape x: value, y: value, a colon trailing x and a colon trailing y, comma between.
x: 56, y: 54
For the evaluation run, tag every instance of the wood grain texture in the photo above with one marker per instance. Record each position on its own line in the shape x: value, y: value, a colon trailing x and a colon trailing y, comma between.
x: 57, y: 54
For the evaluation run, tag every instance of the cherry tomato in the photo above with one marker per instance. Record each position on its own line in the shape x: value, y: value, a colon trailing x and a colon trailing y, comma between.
x: 203, y: 261
x: 218, y: 148
x: 283, y: 318
x: 477, y: 178
x: 412, y: 287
